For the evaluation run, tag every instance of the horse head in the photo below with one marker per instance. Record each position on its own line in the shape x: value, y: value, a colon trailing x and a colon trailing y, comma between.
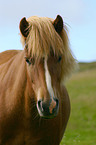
x: 45, y: 48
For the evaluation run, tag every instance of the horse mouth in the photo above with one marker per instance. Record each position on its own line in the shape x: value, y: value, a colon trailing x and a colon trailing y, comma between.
x: 45, y: 111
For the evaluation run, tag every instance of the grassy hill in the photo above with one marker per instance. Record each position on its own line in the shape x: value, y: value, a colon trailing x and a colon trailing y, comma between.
x: 87, y: 66
x: 81, y: 129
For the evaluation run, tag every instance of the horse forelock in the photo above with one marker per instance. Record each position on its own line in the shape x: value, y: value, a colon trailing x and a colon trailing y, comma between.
x: 43, y: 38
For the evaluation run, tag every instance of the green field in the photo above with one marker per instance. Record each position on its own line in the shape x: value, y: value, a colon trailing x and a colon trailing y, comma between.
x: 81, y: 128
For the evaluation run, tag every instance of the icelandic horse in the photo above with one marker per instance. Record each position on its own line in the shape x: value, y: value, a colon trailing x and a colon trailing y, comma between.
x: 34, y: 103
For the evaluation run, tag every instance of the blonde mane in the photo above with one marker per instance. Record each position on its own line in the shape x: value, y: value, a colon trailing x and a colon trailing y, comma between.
x: 43, y: 38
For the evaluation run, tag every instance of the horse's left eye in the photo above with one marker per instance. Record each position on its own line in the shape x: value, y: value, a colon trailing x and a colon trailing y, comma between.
x: 59, y: 59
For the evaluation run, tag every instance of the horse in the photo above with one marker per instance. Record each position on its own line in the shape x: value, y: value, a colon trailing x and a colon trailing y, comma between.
x: 34, y: 102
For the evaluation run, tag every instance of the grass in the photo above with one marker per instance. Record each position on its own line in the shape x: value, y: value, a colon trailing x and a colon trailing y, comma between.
x: 87, y: 66
x: 81, y: 128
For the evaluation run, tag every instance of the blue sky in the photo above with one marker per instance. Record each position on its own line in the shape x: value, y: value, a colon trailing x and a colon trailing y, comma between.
x: 80, y: 15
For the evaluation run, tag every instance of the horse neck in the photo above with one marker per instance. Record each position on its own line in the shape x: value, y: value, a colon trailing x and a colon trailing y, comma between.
x: 12, y: 85
x: 29, y: 96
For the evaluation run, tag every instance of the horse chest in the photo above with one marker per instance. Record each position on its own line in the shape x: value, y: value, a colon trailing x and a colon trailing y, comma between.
x: 43, y: 132
x: 37, y: 133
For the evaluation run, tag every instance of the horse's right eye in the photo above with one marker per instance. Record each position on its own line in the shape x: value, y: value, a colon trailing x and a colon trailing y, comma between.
x: 27, y: 60
x: 59, y: 59
x: 30, y: 60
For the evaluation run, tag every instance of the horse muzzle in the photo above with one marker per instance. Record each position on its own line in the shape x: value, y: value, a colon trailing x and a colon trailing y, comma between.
x: 48, y: 109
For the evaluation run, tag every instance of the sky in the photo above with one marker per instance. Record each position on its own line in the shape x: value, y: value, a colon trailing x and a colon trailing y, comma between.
x: 78, y: 15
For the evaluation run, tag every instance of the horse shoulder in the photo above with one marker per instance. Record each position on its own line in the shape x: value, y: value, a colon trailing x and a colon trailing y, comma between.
x: 12, y: 87
x: 11, y: 81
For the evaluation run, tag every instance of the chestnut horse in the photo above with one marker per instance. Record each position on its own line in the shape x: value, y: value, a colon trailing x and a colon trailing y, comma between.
x: 34, y: 104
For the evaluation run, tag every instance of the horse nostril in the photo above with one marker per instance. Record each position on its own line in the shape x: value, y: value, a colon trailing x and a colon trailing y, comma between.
x: 57, y: 101
x: 43, y: 107
x: 54, y: 106
x: 39, y: 103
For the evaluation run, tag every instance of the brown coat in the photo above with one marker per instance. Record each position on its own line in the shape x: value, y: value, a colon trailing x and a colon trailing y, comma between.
x: 19, y: 124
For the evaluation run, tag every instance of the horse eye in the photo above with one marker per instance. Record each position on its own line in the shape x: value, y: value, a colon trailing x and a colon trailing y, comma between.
x: 30, y: 60
x: 59, y: 59
x: 27, y: 60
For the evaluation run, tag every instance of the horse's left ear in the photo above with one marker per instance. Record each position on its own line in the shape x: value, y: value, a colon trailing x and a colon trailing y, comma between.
x: 58, y: 23
x: 24, y: 27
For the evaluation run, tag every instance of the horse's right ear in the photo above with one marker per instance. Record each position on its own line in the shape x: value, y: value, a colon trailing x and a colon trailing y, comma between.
x: 24, y: 27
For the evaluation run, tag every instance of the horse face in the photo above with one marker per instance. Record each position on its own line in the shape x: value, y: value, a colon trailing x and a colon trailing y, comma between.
x: 45, y: 74
x: 45, y: 79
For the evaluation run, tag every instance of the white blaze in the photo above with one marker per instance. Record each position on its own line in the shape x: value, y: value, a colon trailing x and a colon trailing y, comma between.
x: 48, y: 80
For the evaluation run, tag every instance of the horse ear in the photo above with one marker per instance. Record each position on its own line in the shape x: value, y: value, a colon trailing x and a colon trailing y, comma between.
x: 58, y: 23
x: 24, y: 27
